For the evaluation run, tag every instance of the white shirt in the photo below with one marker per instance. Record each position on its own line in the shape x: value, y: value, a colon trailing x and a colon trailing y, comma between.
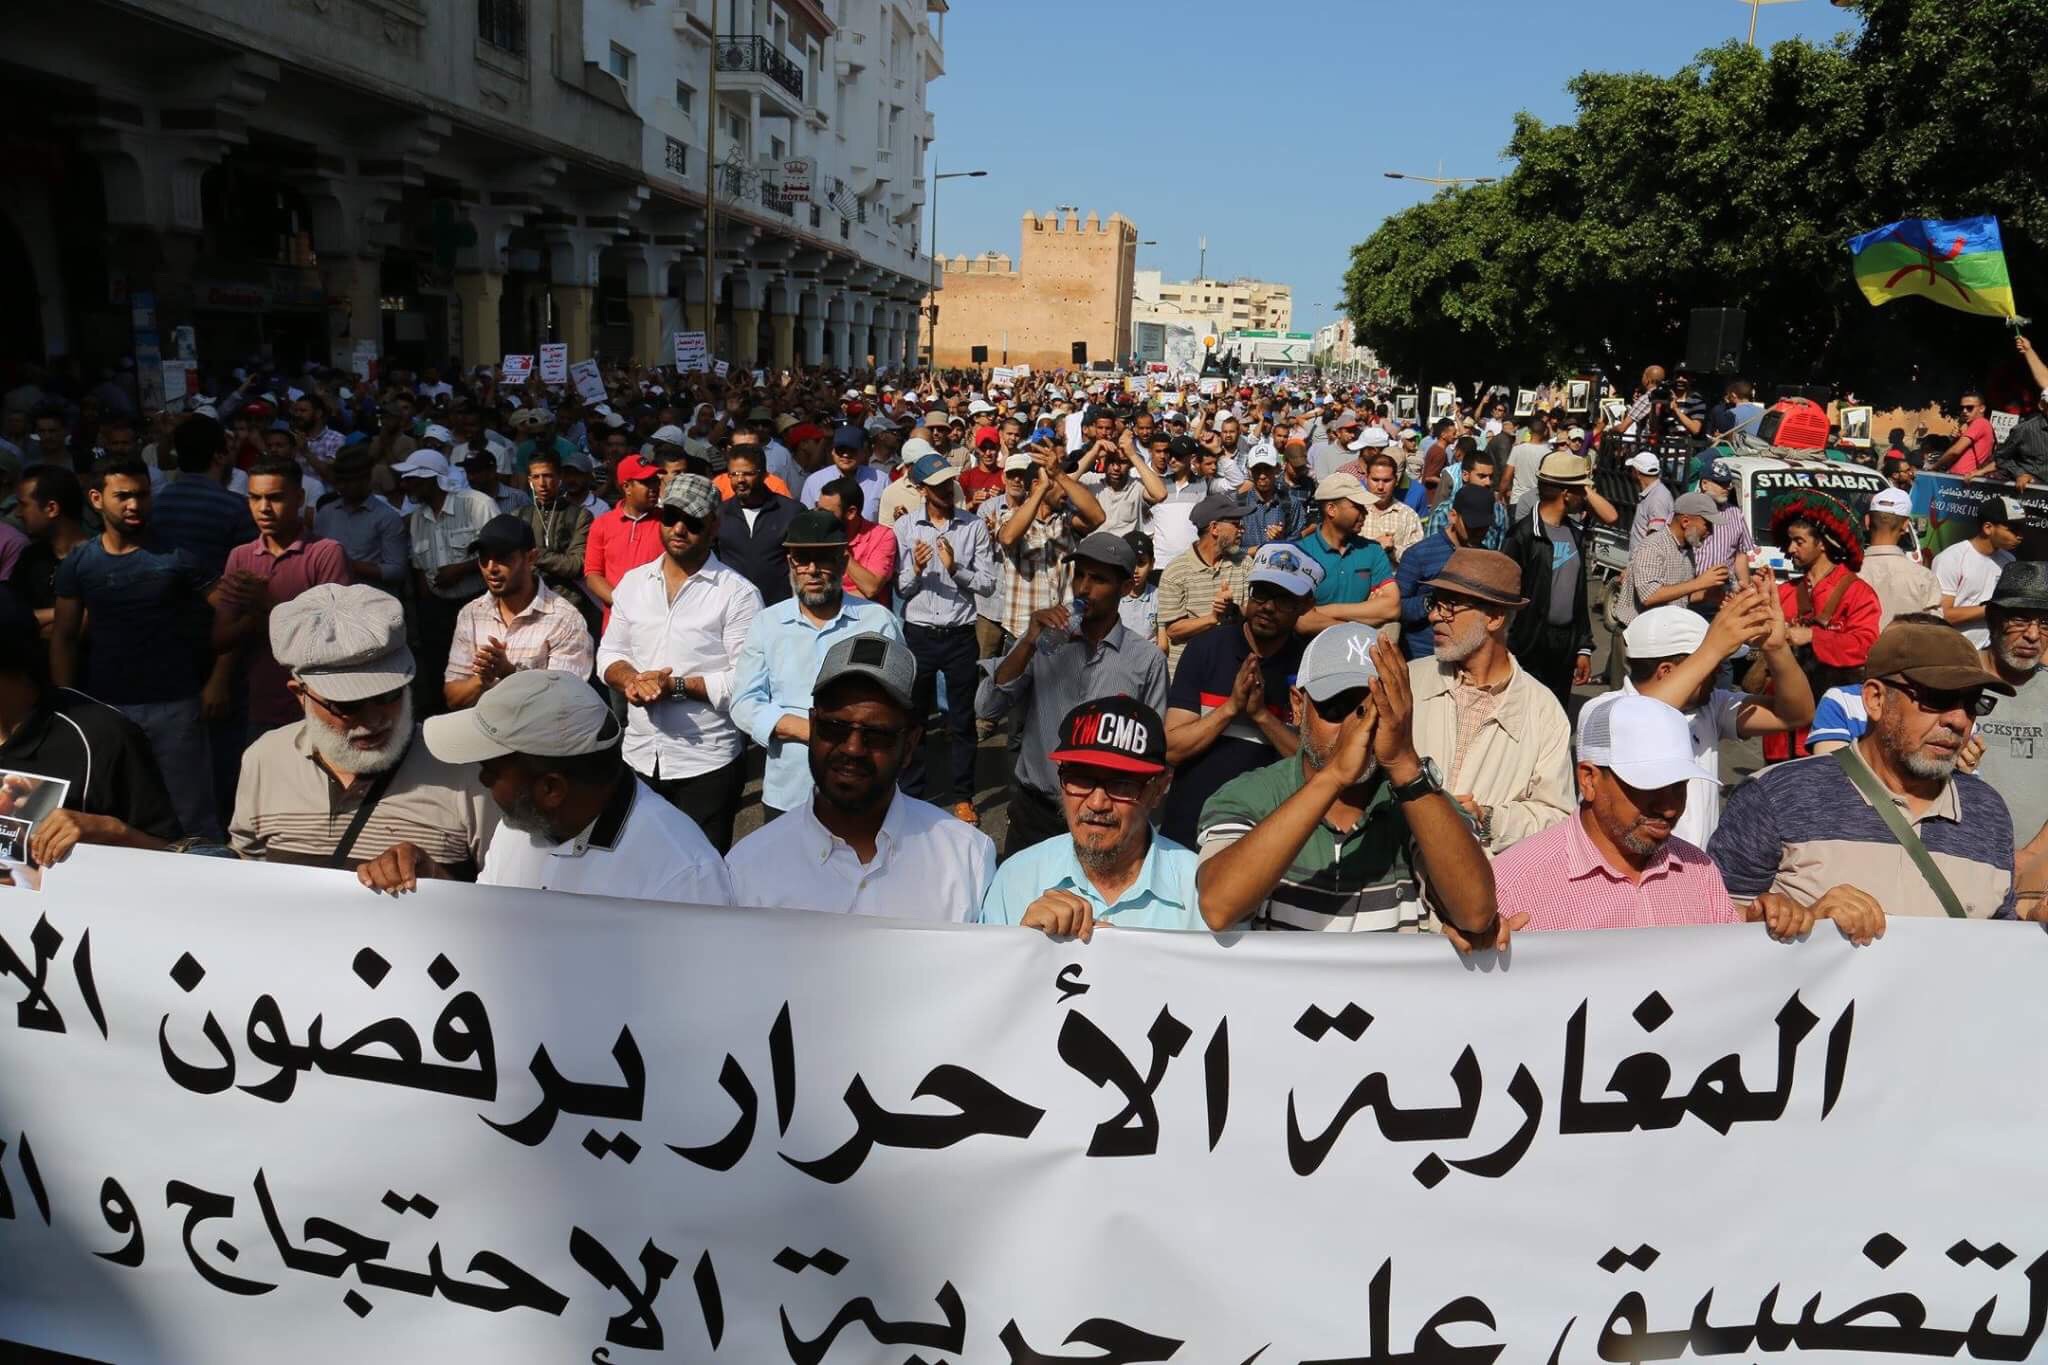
x: 641, y: 848
x: 700, y: 633
x: 1125, y: 509
x: 927, y: 865
x: 1072, y: 428
x: 439, y: 541
x: 1710, y: 724
x: 1970, y: 578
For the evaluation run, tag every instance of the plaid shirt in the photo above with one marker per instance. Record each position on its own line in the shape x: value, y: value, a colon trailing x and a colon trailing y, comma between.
x: 1398, y: 520
x: 550, y: 633
x: 1033, y: 574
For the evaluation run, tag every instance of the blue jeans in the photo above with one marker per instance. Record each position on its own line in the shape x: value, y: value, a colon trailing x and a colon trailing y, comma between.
x: 177, y: 734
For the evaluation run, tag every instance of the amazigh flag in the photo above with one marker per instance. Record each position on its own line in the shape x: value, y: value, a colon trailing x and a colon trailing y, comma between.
x: 1959, y: 264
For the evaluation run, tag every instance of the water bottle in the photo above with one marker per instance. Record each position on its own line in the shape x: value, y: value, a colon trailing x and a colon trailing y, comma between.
x: 1076, y: 609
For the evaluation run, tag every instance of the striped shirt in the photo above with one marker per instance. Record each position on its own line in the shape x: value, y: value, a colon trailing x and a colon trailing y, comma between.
x: 1803, y: 828
x: 1187, y: 588
x: 1727, y: 537
x: 1360, y: 882
x: 550, y: 633
x: 1063, y: 673
x: 1661, y: 560
x: 1564, y: 882
x: 1032, y: 574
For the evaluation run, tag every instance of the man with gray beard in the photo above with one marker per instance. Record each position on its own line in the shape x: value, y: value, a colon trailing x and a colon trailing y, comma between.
x: 1891, y: 810
x: 351, y: 780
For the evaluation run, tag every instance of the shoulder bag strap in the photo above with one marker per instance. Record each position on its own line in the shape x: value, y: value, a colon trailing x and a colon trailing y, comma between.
x: 362, y: 816
x: 1835, y: 596
x: 1867, y: 783
x: 1802, y: 597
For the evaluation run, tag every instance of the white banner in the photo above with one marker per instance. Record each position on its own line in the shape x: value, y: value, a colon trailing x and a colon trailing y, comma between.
x: 690, y: 353
x: 515, y: 370
x: 258, y: 1114
x: 554, y: 362
x: 589, y: 382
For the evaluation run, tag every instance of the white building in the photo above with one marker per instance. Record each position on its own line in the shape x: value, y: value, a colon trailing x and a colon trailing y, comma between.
x: 1215, y: 307
x: 437, y: 179
x: 1334, y: 350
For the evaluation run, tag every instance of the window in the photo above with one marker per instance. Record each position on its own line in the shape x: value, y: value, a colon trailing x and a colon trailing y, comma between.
x: 683, y: 94
x: 776, y: 148
x: 620, y: 63
x: 502, y: 24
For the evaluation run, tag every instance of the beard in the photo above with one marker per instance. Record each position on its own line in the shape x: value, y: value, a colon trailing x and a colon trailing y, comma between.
x: 524, y: 816
x: 1318, y: 757
x: 1459, y: 648
x: 818, y: 599
x: 336, y: 747
x: 2012, y: 661
x: 1919, y: 762
x: 1098, y: 857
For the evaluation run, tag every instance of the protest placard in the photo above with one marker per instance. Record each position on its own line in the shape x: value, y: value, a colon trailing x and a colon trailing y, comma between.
x: 554, y: 362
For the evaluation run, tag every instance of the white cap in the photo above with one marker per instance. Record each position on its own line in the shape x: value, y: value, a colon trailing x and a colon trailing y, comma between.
x: 538, y: 711
x: 1018, y: 460
x: 424, y: 464
x: 437, y: 432
x: 1372, y: 438
x: 1639, y: 739
x: 1894, y: 500
x: 977, y: 407
x: 1262, y: 454
x: 916, y: 448
x: 667, y: 435
x: 1669, y: 632
x: 1645, y: 462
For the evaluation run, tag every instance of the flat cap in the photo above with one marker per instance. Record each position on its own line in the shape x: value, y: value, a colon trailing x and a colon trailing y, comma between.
x: 345, y: 642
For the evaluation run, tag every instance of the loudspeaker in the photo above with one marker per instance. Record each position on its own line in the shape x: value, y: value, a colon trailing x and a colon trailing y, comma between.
x: 979, y: 354
x: 1714, y: 344
x: 1080, y: 353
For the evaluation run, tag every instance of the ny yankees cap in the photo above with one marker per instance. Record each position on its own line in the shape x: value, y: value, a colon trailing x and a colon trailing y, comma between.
x: 1337, y: 660
x: 1113, y: 732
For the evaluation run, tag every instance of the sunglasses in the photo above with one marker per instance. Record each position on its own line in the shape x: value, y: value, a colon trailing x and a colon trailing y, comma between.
x: 671, y: 516
x: 834, y: 733
x: 1340, y: 707
x: 1939, y: 702
x: 349, y: 710
x: 1081, y: 783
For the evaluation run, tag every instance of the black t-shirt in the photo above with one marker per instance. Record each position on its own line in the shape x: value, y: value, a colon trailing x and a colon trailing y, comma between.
x: 1202, y: 682
x: 101, y: 753
x: 35, y: 576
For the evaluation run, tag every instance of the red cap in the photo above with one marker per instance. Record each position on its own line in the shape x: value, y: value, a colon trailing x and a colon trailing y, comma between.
x: 633, y: 468
x: 804, y: 431
x: 986, y: 436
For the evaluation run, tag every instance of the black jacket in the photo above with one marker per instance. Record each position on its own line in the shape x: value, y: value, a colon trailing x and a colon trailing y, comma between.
x: 757, y: 553
x: 1529, y: 546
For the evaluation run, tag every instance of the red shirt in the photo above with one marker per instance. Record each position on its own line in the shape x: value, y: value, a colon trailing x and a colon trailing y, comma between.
x: 1564, y: 882
x: 619, y: 544
x: 873, y: 547
x: 1844, y: 642
x: 974, y: 478
x: 1977, y: 431
x: 303, y: 563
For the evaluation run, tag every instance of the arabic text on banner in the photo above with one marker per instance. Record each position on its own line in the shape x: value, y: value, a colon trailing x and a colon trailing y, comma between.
x: 264, y: 1115
x: 554, y: 362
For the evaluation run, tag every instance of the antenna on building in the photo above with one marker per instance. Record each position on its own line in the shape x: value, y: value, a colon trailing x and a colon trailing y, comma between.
x: 1202, y: 270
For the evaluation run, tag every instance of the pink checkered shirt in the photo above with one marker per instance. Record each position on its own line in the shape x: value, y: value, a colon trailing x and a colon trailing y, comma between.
x: 1562, y: 880
x: 550, y: 633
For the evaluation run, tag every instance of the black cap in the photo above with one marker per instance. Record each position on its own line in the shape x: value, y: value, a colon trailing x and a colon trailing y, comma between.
x: 813, y: 529
x: 1140, y: 543
x: 502, y: 534
x: 1113, y: 732
x: 2022, y: 586
x: 1474, y: 506
x: 1184, y: 447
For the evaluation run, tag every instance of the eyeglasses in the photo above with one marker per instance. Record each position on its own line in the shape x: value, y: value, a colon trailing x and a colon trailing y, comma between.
x: 1081, y: 783
x: 1447, y: 606
x: 2023, y: 622
x: 1336, y: 710
x: 1938, y: 702
x: 349, y: 710
x: 835, y: 733
x: 808, y: 558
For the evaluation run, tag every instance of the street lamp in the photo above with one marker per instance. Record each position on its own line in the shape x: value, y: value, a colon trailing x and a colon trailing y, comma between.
x: 932, y: 252
x: 1442, y: 179
x: 1754, y: 6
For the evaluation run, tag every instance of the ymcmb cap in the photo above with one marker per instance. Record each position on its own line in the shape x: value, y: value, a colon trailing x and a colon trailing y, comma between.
x: 1121, y: 733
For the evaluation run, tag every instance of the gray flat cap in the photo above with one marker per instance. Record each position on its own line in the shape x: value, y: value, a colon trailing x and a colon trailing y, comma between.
x: 691, y: 494
x: 344, y: 642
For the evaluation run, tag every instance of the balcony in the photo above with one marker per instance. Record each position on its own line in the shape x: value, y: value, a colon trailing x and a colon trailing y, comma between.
x: 757, y: 56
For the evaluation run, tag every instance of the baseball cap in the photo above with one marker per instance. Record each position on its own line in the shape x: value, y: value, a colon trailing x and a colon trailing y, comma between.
x: 1140, y: 543
x: 886, y: 663
x: 1107, y: 548
x: 503, y: 534
x: 423, y: 464
x: 1183, y: 447
x: 849, y: 437
x: 691, y: 494
x: 539, y: 711
x: 812, y: 529
x: 2004, y: 511
x: 916, y: 448
x: 1337, y: 660
x: 932, y: 468
x: 1120, y: 733
x: 986, y: 436
x: 1932, y: 655
x: 1287, y: 568
x: 436, y: 432
x: 1640, y: 740
x: 1018, y: 460
x: 1896, y: 501
x: 1718, y: 472
x: 1217, y: 507
x: 346, y: 642
x: 1695, y: 505
x: 979, y: 406
x: 1372, y: 438
x: 803, y: 431
x: 1645, y: 462
x: 633, y: 468
x: 670, y: 434
x: 1669, y: 632
x: 1343, y: 486
x: 1262, y: 455
x: 1474, y: 506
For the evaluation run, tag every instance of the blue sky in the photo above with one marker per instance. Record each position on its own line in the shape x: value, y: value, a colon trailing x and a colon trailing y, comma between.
x: 1269, y: 133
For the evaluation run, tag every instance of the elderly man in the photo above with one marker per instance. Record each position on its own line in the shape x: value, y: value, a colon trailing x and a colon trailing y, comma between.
x: 1653, y: 499
x: 1498, y: 737
x: 1660, y: 565
x: 1358, y: 579
x: 785, y: 646
x: 1106, y: 866
x: 2015, y: 760
x: 440, y: 527
x: 1209, y: 574
x: 1354, y: 832
x: 1058, y: 662
x: 1226, y: 710
x: 351, y: 780
x: 1470, y: 521
x: 677, y: 626
x: 573, y: 817
x: 854, y: 844
x: 1889, y: 812
x: 517, y: 624
x: 870, y: 547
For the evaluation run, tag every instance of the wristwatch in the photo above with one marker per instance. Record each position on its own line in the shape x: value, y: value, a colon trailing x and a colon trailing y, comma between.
x: 1424, y: 784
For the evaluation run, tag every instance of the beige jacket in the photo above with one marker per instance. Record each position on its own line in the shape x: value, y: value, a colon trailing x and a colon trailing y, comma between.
x: 1521, y: 764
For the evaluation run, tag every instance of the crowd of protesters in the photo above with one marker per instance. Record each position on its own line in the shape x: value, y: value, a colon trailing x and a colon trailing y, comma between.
x: 1259, y: 655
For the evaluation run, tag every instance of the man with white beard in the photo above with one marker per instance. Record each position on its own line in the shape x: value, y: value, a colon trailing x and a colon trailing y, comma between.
x: 351, y: 780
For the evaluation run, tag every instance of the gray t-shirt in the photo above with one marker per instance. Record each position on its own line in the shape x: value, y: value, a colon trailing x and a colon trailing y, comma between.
x: 2015, y: 758
x: 1653, y: 511
x: 1523, y: 461
x: 1564, y: 573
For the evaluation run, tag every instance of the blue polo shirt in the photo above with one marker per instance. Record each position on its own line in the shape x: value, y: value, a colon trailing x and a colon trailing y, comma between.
x: 1349, y: 574
x: 1163, y: 896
